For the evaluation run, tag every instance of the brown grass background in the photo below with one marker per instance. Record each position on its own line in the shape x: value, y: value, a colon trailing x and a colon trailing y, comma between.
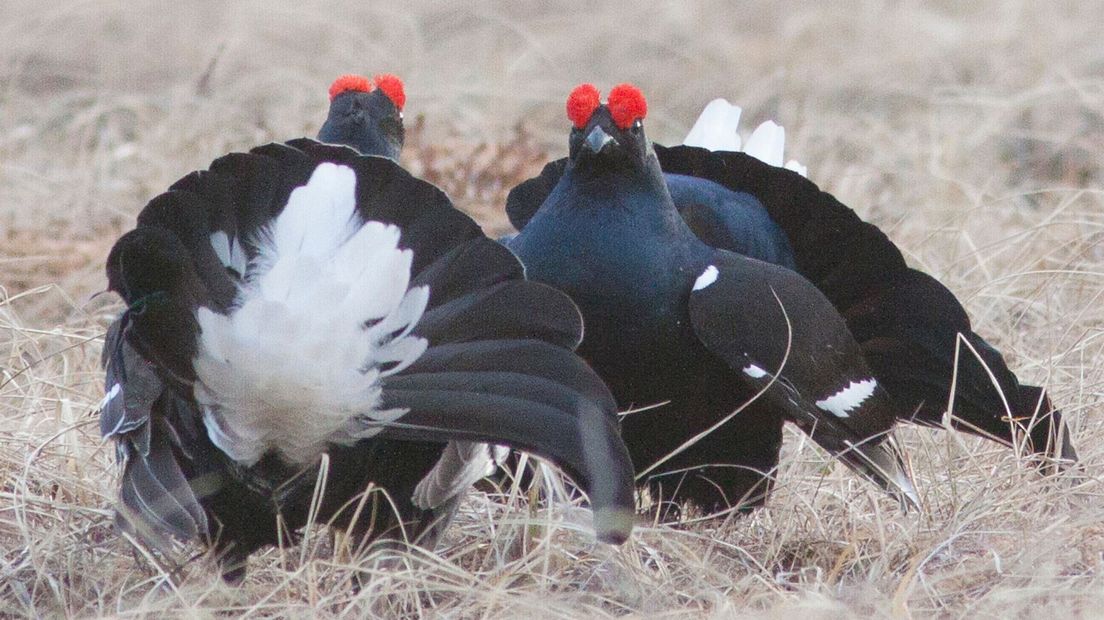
x: 973, y: 133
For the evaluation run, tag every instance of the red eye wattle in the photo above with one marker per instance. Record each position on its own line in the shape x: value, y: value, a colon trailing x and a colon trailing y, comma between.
x: 350, y: 82
x: 581, y: 104
x: 392, y: 86
x: 627, y: 105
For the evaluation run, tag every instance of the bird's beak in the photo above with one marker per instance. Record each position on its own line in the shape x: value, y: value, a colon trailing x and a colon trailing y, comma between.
x: 597, y: 140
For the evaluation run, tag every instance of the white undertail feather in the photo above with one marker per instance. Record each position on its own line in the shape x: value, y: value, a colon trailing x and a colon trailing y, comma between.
x: 797, y: 167
x: 717, y: 129
x: 766, y: 143
x: 229, y: 251
x: 462, y: 464
x: 324, y: 312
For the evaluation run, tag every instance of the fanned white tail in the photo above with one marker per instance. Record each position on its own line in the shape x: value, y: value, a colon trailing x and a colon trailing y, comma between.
x: 717, y: 129
x: 323, y: 313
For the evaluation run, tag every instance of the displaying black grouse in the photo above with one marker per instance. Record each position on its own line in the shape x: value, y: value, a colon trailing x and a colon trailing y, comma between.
x: 703, y: 331
x: 301, y: 300
x: 914, y: 333
x: 366, y: 115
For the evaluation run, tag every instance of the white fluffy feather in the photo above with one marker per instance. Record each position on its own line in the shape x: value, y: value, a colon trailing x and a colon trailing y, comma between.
x: 718, y: 129
x: 767, y: 143
x: 323, y: 313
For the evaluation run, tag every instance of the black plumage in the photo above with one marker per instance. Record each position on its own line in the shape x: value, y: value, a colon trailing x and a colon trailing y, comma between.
x: 911, y: 328
x: 672, y: 320
x: 497, y: 366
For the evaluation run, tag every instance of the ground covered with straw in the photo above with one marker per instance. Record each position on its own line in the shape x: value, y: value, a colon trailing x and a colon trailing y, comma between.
x: 972, y: 133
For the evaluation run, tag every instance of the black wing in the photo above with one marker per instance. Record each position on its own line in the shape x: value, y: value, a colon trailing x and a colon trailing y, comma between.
x: 774, y: 328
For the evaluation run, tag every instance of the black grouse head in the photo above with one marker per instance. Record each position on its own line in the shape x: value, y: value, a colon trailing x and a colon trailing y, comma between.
x: 366, y: 115
x: 609, y: 138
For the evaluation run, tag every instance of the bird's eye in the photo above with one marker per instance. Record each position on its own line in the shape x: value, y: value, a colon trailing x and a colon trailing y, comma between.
x: 638, y: 125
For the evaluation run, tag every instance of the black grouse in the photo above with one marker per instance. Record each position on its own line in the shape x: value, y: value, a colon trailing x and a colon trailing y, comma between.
x: 301, y: 300
x: 366, y: 115
x: 729, y: 347
x: 914, y: 333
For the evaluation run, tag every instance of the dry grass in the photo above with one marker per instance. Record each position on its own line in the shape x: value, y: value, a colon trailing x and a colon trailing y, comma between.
x: 974, y: 136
